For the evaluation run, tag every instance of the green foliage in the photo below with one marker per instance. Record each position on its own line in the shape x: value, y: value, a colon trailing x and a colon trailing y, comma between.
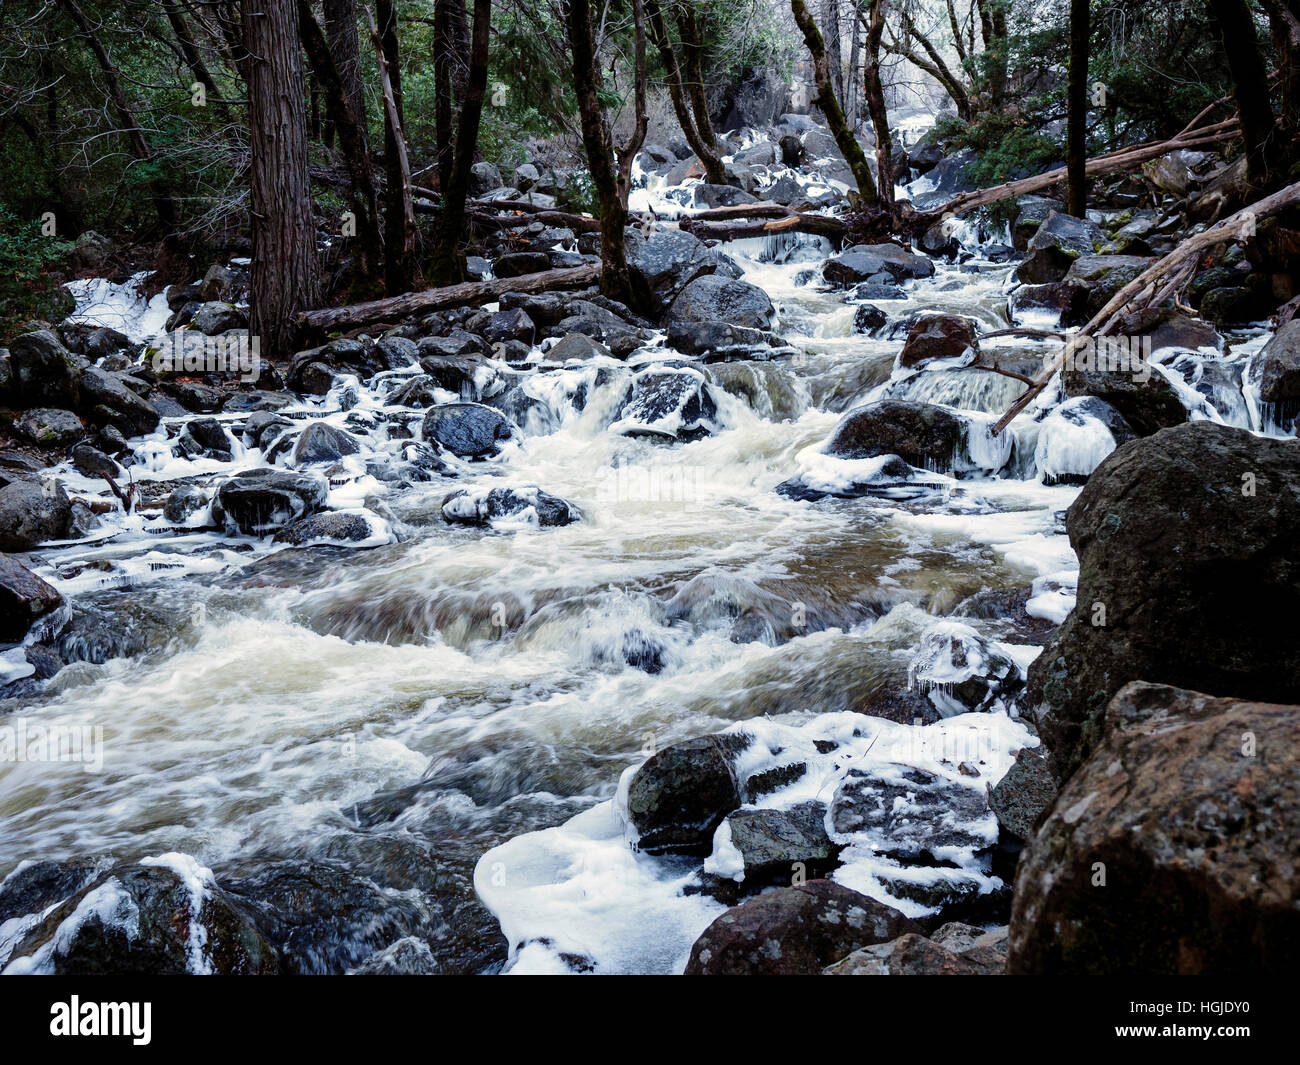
x: 29, y: 264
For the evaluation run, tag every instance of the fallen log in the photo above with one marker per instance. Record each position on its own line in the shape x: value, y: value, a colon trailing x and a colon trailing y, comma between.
x: 466, y: 294
x: 764, y: 223
x: 1154, y: 285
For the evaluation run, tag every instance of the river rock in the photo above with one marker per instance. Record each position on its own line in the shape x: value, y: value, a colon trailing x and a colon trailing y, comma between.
x: 24, y: 599
x: 955, y: 950
x: 331, y: 526
x: 1144, y: 397
x: 667, y: 404
x: 1056, y: 244
x: 261, y: 501
x: 679, y: 796
x: 185, y: 500
x: 713, y: 298
x: 794, y: 931
x: 1076, y: 436
x: 467, y: 507
x: 44, y: 372
x: 322, y: 442
x: 32, y: 512
x: 1275, y: 371
x: 214, y: 318
x: 1105, y: 275
x: 204, y: 438
x: 1055, y: 303
x: 1024, y: 793
x: 771, y: 842
x: 576, y: 347
x: 48, y: 427
x: 662, y: 264
x: 919, y: 433
x: 469, y: 430
x: 1032, y: 212
x: 1185, y: 542
x: 519, y: 263
x: 863, y: 262
x: 940, y: 336
x: 105, y: 399
x: 156, y: 919
x: 963, y: 672
x: 1187, y: 809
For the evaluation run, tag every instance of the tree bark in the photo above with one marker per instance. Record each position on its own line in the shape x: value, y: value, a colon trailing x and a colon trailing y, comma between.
x: 448, y: 263
x: 1076, y: 131
x: 400, y: 267
x: 615, y: 278
x: 345, y: 47
x: 283, y: 278
x: 873, y: 91
x: 190, y: 50
x: 627, y: 153
x: 827, y: 101
x: 1250, y: 89
x: 714, y: 171
x: 693, y: 59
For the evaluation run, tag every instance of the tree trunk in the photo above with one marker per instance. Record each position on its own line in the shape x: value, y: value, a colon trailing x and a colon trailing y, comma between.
x: 190, y: 50
x: 829, y: 103
x: 345, y: 47
x: 1076, y: 131
x: 283, y: 278
x: 714, y: 172
x: 449, y: 265
x: 873, y: 90
x: 615, y: 278
x: 834, y: 55
x: 1284, y: 20
x: 363, y: 197
x: 1250, y: 89
x: 693, y: 59
x: 399, y: 218
x: 444, y: 62
x: 627, y: 153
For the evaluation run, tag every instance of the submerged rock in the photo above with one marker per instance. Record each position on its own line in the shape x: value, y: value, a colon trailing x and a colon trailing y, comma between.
x: 469, y: 430
x: 1173, y: 848
x: 1187, y: 557
x: 795, y: 931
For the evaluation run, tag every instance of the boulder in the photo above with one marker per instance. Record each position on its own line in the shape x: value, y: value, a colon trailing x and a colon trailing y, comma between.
x: 261, y: 501
x: 1032, y: 212
x: 1187, y: 558
x: 1055, y: 303
x: 48, y: 427
x: 667, y: 404
x: 679, y: 796
x: 212, y: 319
x: 1275, y: 370
x: 483, y: 178
x: 331, y: 525
x: 713, y: 298
x: 518, y: 263
x: 1105, y: 275
x: 1021, y: 797
x: 864, y: 262
x: 469, y: 430
x: 941, y: 336
x: 575, y: 346
x: 44, y: 372
x: 106, y: 400
x: 185, y: 500
x: 909, y: 813
x: 1172, y: 849
x: 1055, y: 246
x: 321, y: 442
x: 795, y: 931
x: 771, y: 842
x: 1146, y: 405
x: 24, y: 599
x: 467, y: 507
x: 32, y: 512
x: 204, y: 438
x: 157, y: 917
x: 919, y: 433
x: 954, y: 950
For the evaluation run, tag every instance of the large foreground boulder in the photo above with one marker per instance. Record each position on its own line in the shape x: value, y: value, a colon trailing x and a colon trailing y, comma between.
x: 680, y: 795
x: 864, y: 262
x: 1188, y: 556
x: 32, y: 512
x: 794, y: 931
x: 1057, y: 242
x: 1173, y: 849
x: 664, y: 263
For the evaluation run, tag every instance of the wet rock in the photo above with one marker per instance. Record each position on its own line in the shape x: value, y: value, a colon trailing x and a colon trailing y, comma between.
x: 1275, y: 371
x: 864, y: 262
x: 784, y: 190
x: 1076, y: 436
x: 105, y: 399
x: 919, y: 433
x: 519, y: 263
x: 1105, y: 275
x: 1032, y: 212
x: 322, y: 442
x: 51, y: 428
x: 1063, y: 303
x: 32, y: 512
x: 795, y: 931
x: 42, y: 884
x: 679, y: 796
x: 205, y: 438
x: 215, y: 318
x: 721, y: 195
x: 667, y: 404
x: 940, y: 336
x: 44, y: 372
x: 955, y: 950
x: 1023, y: 795
x: 24, y: 599
x: 1181, y: 537
x: 909, y: 813
x: 868, y: 318
x: 713, y: 298
x: 261, y: 501
x: 770, y: 842
x: 576, y: 347
x: 483, y: 178
x: 146, y: 919
x: 962, y: 671
x: 1147, y: 405
x: 719, y: 339
x: 90, y: 461
x: 510, y: 325
x: 194, y: 397
x: 469, y: 430
x: 185, y: 500
x: 467, y: 507
x: 1057, y: 243
x: 1188, y: 808
x: 331, y: 525
x: 406, y: 957
x: 397, y: 352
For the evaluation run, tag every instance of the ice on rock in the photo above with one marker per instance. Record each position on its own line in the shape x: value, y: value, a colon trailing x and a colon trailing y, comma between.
x: 962, y: 671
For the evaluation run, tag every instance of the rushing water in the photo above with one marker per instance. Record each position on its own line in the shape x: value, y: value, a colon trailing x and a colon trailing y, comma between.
x: 487, y: 683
